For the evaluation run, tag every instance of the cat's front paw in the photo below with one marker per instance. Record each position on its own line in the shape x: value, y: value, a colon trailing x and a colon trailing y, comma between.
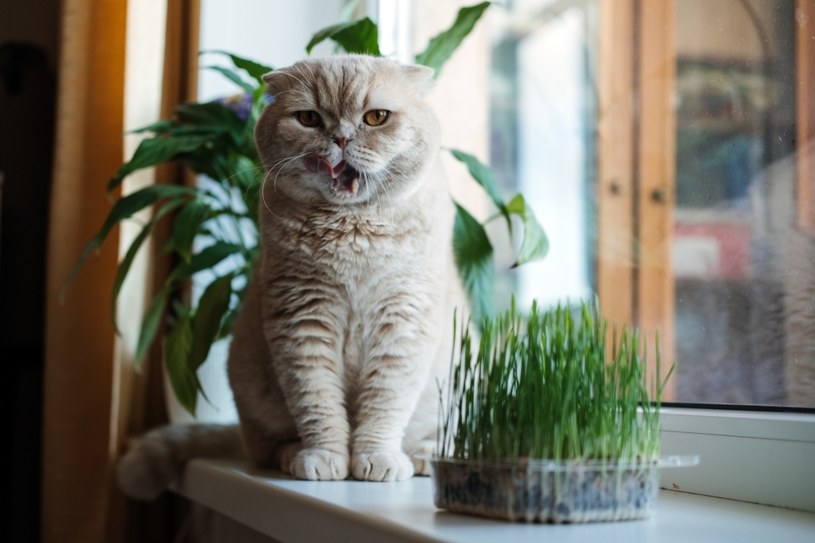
x: 381, y: 466
x: 319, y: 465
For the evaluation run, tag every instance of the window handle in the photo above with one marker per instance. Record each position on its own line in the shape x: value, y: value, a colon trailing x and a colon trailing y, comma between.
x: 658, y: 196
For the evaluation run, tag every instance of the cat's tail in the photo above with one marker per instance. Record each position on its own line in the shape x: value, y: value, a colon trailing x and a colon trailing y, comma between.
x: 155, y: 459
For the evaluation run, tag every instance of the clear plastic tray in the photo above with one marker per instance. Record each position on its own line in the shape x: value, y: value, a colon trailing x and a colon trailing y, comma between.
x: 549, y: 490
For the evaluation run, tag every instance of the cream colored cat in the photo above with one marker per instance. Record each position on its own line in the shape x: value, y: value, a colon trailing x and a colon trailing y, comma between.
x: 347, y: 322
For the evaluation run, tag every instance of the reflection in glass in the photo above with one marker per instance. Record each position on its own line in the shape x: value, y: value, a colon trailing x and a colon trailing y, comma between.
x: 743, y: 255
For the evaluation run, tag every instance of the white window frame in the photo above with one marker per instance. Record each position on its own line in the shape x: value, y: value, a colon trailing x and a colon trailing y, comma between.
x: 753, y: 456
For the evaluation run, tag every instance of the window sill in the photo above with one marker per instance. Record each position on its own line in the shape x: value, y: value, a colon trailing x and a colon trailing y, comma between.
x: 291, y: 511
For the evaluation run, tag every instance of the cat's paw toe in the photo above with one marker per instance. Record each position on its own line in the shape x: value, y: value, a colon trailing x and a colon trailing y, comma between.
x: 319, y: 465
x: 381, y: 466
x: 420, y: 455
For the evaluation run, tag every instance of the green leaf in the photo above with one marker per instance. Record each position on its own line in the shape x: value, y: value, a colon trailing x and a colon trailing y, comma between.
x: 177, y: 346
x: 206, y: 259
x: 254, y: 69
x: 135, y: 245
x: 361, y: 36
x: 214, y: 116
x: 227, y: 323
x: 232, y: 76
x: 123, y: 209
x: 186, y: 226
x: 485, y: 177
x: 155, y: 151
x: 473, y: 255
x: 159, y: 126
x: 534, y: 245
x: 150, y: 324
x: 442, y: 46
x: 208, y: 317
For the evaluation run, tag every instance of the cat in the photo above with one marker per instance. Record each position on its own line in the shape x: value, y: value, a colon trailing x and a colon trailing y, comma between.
x: 347, y: 323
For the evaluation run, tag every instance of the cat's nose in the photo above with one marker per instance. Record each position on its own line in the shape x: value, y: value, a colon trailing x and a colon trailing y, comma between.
x: 342, y: 141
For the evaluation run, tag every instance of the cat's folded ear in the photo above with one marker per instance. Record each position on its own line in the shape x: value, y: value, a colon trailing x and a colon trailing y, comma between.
x: 421, y: 76
x: 277, y: 81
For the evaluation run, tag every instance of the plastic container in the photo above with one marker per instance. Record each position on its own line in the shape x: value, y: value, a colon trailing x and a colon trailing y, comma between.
x: 551, y: 491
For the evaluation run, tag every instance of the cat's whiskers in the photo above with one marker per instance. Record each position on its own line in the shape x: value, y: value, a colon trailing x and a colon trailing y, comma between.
x: 280, y: 165
x: 380, y: 177
x: 283, y: 163
x: 311, y: 80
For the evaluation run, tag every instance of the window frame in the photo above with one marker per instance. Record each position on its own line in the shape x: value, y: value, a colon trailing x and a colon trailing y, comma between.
x: 753, y: 456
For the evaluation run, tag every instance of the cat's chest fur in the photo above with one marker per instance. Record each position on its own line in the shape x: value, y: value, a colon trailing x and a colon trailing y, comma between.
x: 357, y: 249
x: 371, y: 265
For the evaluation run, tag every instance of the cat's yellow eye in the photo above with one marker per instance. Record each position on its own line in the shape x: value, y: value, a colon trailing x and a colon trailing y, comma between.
x: 309, y: 118
x: 375, y: 117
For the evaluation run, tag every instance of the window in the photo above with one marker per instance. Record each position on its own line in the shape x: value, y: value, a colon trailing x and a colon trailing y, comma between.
x: 667, y: 149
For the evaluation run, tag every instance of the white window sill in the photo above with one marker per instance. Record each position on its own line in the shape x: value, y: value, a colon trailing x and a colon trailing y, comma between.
x: 293, y: 511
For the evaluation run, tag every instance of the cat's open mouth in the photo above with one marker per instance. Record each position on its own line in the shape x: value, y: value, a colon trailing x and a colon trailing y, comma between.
x: 344, y: 178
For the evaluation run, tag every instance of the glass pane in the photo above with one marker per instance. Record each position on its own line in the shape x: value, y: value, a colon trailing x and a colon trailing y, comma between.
x: 542, y: 137
x: 743, y: 269
x: 743, y: 257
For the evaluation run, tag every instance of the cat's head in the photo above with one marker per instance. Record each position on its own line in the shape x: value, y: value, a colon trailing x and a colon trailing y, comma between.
x: 346, y: 129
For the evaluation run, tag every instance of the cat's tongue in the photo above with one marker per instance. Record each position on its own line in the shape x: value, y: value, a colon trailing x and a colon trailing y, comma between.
x: 315, y: 163
x: 344, y: 177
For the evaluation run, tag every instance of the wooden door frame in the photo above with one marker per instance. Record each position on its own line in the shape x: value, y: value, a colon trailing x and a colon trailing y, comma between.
x: 636, y: 170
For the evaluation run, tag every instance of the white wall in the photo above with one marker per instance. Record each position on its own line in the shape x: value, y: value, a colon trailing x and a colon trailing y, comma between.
x: 274, y: 32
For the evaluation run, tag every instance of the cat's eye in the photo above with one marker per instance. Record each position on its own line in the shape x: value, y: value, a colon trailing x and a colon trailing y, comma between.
x: 375, y: 117
x: 309, y: 118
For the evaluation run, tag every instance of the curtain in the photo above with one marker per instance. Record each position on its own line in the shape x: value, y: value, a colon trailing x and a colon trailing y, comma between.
x: 122, y: 65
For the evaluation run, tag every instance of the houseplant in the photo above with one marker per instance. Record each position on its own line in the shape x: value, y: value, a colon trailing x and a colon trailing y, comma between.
x: 213, y: 231
x: 540, y: 423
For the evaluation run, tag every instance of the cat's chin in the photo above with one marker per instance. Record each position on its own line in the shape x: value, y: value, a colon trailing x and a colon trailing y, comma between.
x: 347, y: 192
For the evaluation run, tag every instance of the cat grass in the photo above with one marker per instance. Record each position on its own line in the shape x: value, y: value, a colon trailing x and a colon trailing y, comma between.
x: 546, y: 386
x: 541, y: 422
